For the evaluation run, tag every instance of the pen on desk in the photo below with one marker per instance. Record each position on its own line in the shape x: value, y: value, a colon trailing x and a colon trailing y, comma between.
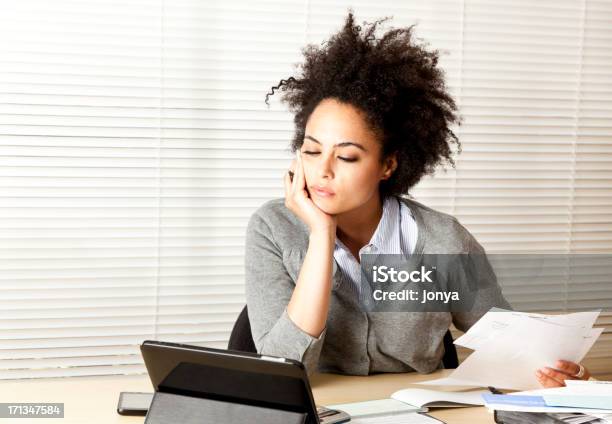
x: 494, y: 390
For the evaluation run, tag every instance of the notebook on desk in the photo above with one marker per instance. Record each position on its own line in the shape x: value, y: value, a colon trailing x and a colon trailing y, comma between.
x: 385, y: 411
x: 413, y: 400
x: 403, y: 418
x: 438, y: 399
x: 376, y: 407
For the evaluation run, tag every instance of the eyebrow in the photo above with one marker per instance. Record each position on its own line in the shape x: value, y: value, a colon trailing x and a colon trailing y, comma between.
x: 343, y: 144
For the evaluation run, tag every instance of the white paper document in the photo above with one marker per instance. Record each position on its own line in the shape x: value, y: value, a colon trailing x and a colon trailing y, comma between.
x: 438, y: 399
x: 410, y: 418
x: 548, y: 409
x: 494, y: 323
x: 450, y: 381
x: 573, y: 391
x: 575, y: 388
x: 375, y: 407
x: 511, y: 346
x: 591, y: 387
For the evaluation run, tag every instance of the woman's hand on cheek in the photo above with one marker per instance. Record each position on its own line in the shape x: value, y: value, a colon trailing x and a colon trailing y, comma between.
x: 299, y: 202
x: 564, y: 370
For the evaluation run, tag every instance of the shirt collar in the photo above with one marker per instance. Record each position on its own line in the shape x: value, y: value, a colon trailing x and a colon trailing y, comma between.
x: 386, y: 237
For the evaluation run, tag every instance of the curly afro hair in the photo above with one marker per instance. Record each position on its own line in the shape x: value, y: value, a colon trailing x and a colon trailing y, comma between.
x: 395, y: 82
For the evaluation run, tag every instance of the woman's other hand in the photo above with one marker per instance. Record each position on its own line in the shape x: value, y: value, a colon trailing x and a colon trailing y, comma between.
x: 564, y: 370
x: 298, y: 201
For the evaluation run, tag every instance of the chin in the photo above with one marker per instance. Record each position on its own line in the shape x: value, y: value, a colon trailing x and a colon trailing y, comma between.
x: 330, y: 207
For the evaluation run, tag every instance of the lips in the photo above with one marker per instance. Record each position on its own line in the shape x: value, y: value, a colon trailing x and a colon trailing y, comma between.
x: 322, y: 191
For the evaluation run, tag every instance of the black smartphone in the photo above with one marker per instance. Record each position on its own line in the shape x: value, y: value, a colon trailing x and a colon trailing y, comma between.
x: 134, y: 403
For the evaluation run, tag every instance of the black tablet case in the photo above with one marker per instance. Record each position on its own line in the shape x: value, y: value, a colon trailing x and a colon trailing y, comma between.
x: 169, y: 408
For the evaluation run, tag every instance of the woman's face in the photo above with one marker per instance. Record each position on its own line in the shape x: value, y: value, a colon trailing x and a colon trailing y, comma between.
x: 341, y: 158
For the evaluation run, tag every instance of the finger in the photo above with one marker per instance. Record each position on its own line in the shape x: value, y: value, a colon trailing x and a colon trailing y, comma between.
x: 295, y: 165
x: 560, y: 376
x: 299, y: 174
x: 567, y: 367
x: 547, y: 380
x: 572, y: 369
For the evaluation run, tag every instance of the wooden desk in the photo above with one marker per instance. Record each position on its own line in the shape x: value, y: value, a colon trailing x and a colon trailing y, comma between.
x: 92, y: 400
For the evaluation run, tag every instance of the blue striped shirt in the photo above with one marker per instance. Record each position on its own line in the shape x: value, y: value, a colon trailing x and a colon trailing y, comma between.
x: 396, y: 233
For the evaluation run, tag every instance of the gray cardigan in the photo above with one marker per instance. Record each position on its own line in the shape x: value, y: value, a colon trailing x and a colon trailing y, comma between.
x: 353, y: 342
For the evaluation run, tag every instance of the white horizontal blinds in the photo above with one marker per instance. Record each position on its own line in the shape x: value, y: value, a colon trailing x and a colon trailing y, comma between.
x: 591, y: 212
x: 530, y: 178
x: 222, y: 155
x: 519, y: 97
x: 79, y: 178
x: 591, y: 206
x: 519, y: 94
x: 134, y: 145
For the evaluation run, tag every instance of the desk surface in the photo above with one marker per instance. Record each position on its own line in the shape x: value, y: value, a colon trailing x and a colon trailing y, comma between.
x: 93, y: 400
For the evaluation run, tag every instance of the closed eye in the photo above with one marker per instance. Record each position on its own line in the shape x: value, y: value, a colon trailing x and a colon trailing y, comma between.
x: 308, y: 152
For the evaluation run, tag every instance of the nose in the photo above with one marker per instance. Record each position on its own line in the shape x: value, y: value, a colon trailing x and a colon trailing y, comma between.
x: 325, y: 168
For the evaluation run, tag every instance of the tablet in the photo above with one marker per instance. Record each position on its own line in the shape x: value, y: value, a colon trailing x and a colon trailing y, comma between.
x: 230, y: 376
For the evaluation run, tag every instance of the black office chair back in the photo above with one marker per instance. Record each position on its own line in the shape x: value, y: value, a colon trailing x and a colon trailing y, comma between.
x: 241, y: 339
x: 450, y: 358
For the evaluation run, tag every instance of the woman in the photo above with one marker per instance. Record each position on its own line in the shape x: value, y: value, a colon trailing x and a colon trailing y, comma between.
x: 372, y: 118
